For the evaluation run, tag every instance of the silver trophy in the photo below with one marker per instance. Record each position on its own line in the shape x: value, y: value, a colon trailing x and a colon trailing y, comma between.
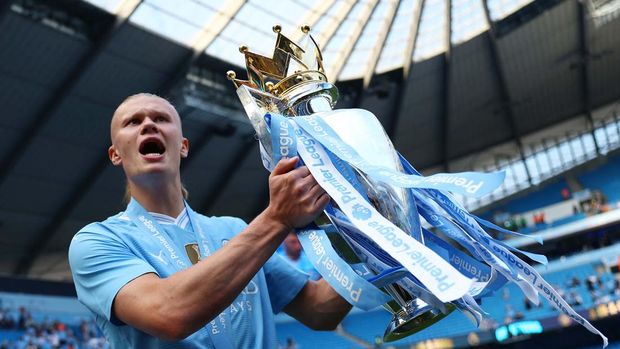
x: 293, y: 83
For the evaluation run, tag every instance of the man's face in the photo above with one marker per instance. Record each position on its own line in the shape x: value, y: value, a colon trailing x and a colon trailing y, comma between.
x: 147, y: 138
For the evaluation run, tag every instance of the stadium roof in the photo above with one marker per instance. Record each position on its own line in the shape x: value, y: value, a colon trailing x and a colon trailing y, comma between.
x: 513, y: 75
x: 358, y: 38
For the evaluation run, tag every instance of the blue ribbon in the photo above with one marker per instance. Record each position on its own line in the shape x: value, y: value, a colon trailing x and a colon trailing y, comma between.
x: 283, y: 140
x: 351, y: 286
x: 526, y: 277
x: 467, y: 183
x: 345, y: 281
x: 429, y: 202
x: 281, y: 134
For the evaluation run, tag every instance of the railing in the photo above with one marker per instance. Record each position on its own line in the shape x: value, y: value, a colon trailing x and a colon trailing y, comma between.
x: 549, y: 158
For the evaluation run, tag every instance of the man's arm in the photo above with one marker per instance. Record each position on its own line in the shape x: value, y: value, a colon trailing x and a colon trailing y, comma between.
x: 318, y: 306
x: 175, y: 307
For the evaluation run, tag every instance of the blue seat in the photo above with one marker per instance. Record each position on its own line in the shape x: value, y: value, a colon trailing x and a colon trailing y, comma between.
x: 307, y: 338
x: 605, y: 179
x: 10, y: 335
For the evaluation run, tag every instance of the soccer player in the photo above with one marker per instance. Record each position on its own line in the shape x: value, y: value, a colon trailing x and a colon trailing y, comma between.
x: 159, y: 272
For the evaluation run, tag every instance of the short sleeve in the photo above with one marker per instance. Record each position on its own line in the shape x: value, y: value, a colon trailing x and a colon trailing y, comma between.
x: 235, y: 225
x: 283, y: 281
x: 306, y: 266
x: 101, y: 265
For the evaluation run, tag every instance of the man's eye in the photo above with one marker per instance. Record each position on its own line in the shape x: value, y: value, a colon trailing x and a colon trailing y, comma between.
x: 134, y: 121
x: 160, y: 118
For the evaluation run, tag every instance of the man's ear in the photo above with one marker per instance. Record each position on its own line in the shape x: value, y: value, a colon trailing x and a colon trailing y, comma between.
x: 114, y: 156
x: 184, y: 147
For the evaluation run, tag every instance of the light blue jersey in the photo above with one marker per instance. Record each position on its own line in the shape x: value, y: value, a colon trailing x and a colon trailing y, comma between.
x: 104, y: 256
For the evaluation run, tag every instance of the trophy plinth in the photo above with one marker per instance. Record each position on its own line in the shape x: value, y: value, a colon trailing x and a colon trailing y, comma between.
x: 413, y: 318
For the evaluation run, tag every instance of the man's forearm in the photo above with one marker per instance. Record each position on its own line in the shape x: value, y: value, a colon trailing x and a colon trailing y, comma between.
x: 175, y: 307
x: 318, y: 306
x: 209, y: 287
x: 332, y: 306
x: 187, y: 300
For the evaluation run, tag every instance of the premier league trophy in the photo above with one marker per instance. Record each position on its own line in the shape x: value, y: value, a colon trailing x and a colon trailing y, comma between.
x: 371, y: 244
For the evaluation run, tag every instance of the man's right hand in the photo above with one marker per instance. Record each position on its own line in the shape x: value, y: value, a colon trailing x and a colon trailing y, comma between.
x: 295, y: 198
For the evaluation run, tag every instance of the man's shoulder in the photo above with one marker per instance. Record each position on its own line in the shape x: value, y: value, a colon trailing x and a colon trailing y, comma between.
x: 97, y: 235
x: 228, y: 220
x: 111, y: 225
x: 233, y: 225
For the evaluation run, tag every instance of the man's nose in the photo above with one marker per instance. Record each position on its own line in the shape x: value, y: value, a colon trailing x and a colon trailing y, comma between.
x: 148, y: 126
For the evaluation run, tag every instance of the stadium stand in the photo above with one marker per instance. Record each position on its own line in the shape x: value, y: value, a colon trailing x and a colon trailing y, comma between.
x: 306, y: 338
x: 595, y: 191
x: 546, y: 196
x: 43, y: 331
x: 44, y: 314
x: 605, y: 178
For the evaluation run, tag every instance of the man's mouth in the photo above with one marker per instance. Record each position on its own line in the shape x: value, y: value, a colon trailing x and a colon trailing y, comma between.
x: 152, y: 147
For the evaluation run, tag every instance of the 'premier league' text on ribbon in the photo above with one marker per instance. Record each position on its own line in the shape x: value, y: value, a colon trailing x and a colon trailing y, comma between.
x: 467, y: 183
x: 434, y: 272
x: 335, y: 273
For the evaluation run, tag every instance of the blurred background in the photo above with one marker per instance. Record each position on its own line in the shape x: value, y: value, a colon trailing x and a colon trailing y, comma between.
x: 528, y: 87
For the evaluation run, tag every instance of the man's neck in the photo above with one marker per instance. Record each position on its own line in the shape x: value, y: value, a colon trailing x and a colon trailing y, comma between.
x: 165, y: 198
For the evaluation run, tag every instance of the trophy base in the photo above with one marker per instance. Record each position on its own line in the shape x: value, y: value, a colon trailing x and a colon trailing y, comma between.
x: 415, y: 319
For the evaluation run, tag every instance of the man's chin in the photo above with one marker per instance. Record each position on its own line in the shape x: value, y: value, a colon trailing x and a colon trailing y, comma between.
x: 155, y: 169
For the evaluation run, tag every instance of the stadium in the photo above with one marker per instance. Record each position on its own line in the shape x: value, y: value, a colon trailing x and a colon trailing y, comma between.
x: 520, y: 86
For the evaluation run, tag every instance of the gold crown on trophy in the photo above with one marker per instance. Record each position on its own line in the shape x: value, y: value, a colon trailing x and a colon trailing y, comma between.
x: 292, y: 65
